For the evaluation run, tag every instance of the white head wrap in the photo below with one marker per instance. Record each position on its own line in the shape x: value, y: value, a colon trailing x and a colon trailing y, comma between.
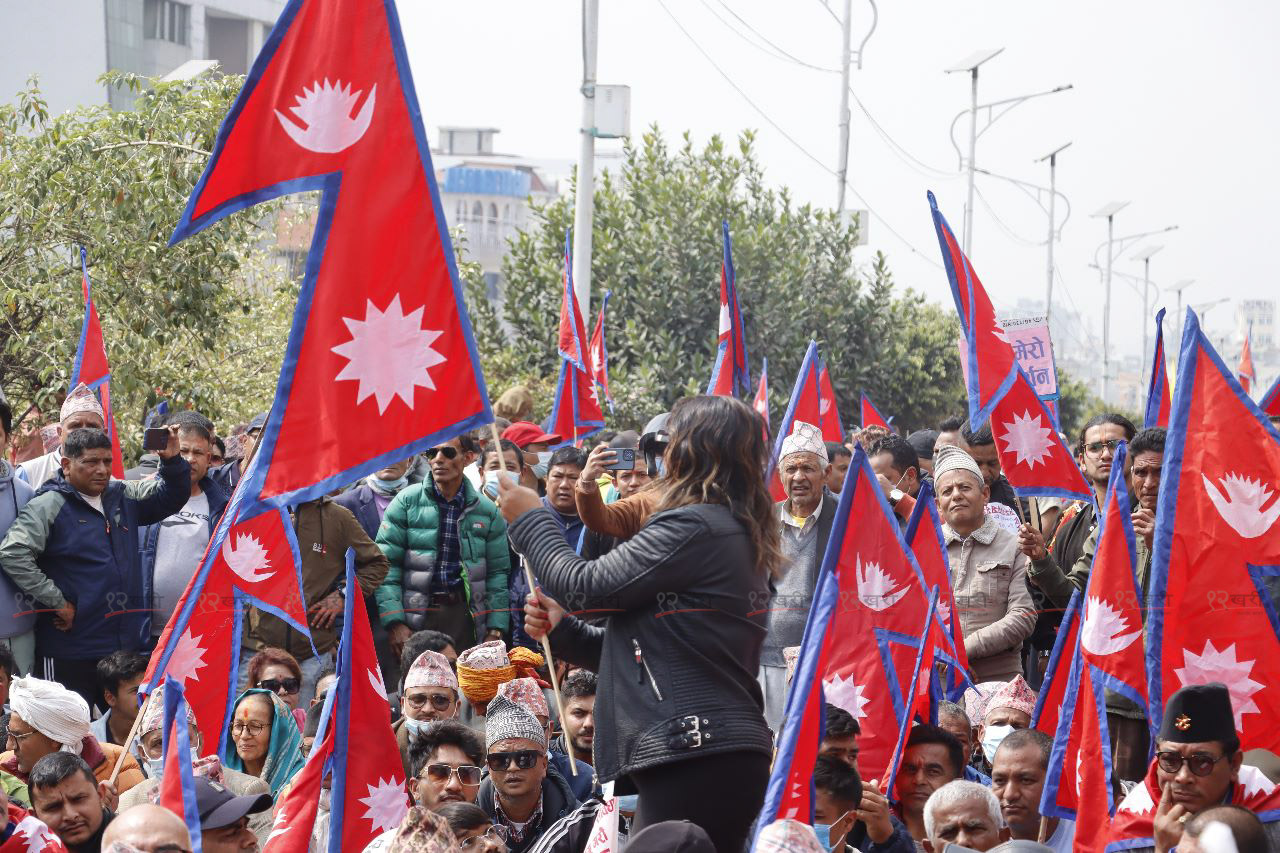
x: 81, y: 399
x: 51, y: 709
x: 950, y: 458
x: 804, y: 438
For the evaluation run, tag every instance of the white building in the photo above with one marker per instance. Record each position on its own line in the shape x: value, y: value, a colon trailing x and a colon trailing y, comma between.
x: 69, y: 43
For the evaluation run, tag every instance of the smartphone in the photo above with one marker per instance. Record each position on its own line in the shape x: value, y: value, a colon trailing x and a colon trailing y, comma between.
x: 625, y: 460
x: 155, y: 438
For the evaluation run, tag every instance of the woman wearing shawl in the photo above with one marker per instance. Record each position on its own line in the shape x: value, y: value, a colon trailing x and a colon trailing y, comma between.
x: 265, y: 741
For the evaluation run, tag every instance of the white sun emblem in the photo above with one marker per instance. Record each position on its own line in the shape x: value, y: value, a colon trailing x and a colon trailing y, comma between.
x: 1213, y: 665
x: 1027, y: 437
x: 876, y: 589
x: 845, y: 694
x: 998, y: 329
x: 1103, y: 630
x: 37, y: 835
x: 824, y: 406
x: 724, y: 319
x: 326, y: 110
x: 389, y: 354
x: 386, y: 804
x: 246, y: 556
x: 187, y: 658
x: 944, y: 613
x: 1240, y: 501
x: 375, y: 678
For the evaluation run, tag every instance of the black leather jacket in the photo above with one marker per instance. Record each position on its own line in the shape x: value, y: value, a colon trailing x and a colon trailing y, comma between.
x: 679, y: 654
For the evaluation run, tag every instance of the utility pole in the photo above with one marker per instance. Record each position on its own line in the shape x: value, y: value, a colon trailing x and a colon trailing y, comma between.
x: 1109, y: 212
x: 1052, y: 157
x: 842, y: 168
x: 1145, y: 257
x: 585, y: 197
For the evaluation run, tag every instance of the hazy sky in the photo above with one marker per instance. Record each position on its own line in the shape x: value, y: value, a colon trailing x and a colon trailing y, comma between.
x: 1173, y: 110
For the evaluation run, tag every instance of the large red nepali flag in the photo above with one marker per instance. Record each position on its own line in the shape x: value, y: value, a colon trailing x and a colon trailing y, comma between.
x: 380, y: 334
x: 1216, y: 547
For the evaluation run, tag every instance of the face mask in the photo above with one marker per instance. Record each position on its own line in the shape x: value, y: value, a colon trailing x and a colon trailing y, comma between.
x: 416, y: 727
x: 823, y: 831
x: 390, y: 486
x: 992, y: 738
x: 628, y: 803
x: 540, y: 469
x: 491, y: 483
x: 155, y: 766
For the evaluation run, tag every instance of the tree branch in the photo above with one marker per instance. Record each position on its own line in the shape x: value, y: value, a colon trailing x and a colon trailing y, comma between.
x: 155, y: 142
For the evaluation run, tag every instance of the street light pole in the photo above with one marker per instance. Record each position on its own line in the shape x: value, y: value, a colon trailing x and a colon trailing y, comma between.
x: 971, y: 65
x: 1052, y: 157
x: 585, y: 198
x: 1109, y: 212
x: 1145, y: 257
x: 846, y: 50
x: 1178, y: 287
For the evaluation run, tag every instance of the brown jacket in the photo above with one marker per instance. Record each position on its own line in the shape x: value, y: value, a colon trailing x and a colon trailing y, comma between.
x: 325, y: 531
x: 621, y: 519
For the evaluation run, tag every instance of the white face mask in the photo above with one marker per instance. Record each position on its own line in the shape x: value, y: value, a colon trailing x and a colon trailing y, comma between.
x: 992, y: 737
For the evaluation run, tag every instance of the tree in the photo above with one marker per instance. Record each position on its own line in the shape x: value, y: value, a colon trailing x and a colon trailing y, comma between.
x: 202, y: 323
x: 657, y: 247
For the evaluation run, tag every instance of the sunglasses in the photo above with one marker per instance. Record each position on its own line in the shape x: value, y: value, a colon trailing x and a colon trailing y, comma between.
x: 439, y: 701
x: 1200, y: 763
x: 523, y: 758
x: 289, y: 686
x: 449, y: 452
x: 497, y: 832
x: 468, y: 774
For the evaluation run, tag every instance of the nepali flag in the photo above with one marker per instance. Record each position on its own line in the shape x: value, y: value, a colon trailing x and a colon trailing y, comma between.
x: 295, y: 815
x: 871, y: 415
x: 1245, y: 371
x: 921, y: 697
x: 1270, y: 403
x: 575, y: 411
x: 828, y: 411
x: 1108, y: 656
x: 600, y: 354
x: 1053, y: 689
x: 572, y: 341
x: 805, y: 406
x: 761, y: 401
x: 731, y: 371
x: 368, y: 794
x: 90, y: 367
x: 380, y: 333
x: 861, y: 644
x: 177, y: 782
x: 1032, y: 455
x: 251, y: 560
x: 30, y: 834
x: 1216, y: 546
x: 924, y: 538
x: 1157, y: 414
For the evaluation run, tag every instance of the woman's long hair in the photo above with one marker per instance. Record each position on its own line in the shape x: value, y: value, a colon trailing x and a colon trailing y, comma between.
x: 717, y: 455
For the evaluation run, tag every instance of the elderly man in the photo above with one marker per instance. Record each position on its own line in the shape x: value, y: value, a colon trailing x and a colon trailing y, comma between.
x: 522, y: 793
x: 150, y: 829
x: 430, y: 693
x: 80, y: 410
x: 1006, y: 711
x: 46, y: 717
x: 151, y: 744
x: 963, y: 813
x: 1198, y: 765
x: 69, y: 800
x: 805, y: 517
x: 988, y: 572
x: 1017, y: 780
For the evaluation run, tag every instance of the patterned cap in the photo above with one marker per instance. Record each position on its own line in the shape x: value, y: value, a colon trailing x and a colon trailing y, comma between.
x: 950, y: 458
x: 1016, y: 694
x: 791, y: 657
x: 490, y: 655
x: 153, y: 715
x: 505, y: 719
x: 482, y: 670
x: 804, y: 438
x: 976, y: 698
x: 423, y: 831
x: 431, y: 669
x: 788, y: 836
x: 81, y: 399
x: 526, y: 693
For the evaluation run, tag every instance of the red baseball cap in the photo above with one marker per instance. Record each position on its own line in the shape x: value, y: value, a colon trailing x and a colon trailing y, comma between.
x: 524, y: 433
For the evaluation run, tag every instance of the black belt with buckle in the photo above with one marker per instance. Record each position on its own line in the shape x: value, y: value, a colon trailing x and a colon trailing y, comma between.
x: 688, y: 732
x: 444, y: 598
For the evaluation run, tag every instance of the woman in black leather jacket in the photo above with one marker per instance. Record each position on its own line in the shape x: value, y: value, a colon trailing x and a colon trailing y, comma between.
x: 679, y: 712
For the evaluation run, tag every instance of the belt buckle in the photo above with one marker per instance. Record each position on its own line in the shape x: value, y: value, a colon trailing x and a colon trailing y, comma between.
x: 693, y: 730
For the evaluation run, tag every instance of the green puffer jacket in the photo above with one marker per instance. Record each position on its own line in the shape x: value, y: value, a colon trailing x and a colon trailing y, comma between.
x: 409, y: 538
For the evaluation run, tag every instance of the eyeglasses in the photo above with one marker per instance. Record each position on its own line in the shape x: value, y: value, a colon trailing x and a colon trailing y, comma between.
x: 288, y: 686
x: 19, y: 737
x: 1095, y: 447
x: 254, y: 728
x: 439, y: 701
x: 468, y: 774
x: 523, y: 758
x: 449, y: 451
x: 1200, y: 763
x: 497, y: 832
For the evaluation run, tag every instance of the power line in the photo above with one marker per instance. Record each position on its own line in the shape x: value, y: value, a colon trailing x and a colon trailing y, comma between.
x: 797, y: 60
x: 888, y: 227
x: 775, y: 53
x: 905, y: 155
x: 1001, y: 223
x: 833, y: 15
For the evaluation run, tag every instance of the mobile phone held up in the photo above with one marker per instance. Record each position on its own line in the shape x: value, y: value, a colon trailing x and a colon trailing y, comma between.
x: 155, y: 439
x: 624, y: 460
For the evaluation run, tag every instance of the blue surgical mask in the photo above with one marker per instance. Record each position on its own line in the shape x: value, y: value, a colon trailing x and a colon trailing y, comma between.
x: 539, y: 469
x: 416, y: 727
x: 389, y: 486
x: 627, y: 803
x: 154, y: 767
x: 490, y: 488
x: 823, y: 831
x: 992, y: 737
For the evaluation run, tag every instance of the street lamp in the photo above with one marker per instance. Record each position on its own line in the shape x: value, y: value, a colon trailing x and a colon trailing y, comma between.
x: 1144, y: 255
x: 1177, y: 287
x: 1203, y: 310
x: 1052, y: 157
x: 971, y: 64
x: 1109, y: 212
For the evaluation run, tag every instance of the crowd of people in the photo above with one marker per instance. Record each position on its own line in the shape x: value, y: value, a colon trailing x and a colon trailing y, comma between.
x: 653, y: 550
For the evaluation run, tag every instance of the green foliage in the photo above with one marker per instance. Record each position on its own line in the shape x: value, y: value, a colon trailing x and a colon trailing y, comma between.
x: 202, y: 323
x: 657, y: 246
